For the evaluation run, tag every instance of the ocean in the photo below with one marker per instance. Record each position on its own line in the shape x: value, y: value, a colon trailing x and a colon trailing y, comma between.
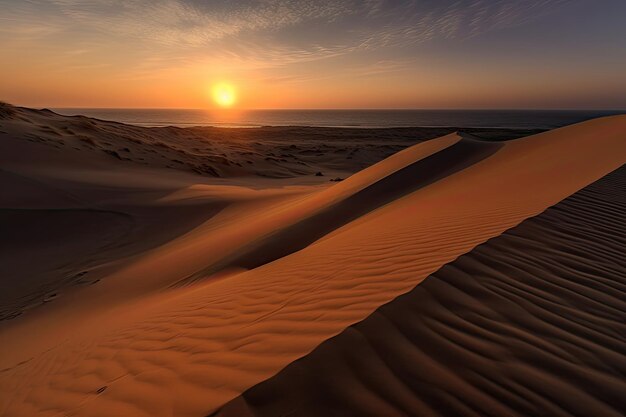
x: 527, y: 119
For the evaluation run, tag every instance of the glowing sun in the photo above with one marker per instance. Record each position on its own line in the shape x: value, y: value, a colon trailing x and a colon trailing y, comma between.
x: 224, y: 94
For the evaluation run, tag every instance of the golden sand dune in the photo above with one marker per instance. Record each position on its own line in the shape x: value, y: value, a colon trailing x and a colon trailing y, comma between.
x: 364, y: 192
x: 275, y: 271
x: 532, y: 322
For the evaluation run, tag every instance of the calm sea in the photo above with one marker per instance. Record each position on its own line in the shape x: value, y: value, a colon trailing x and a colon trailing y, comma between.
x: 345, y: 118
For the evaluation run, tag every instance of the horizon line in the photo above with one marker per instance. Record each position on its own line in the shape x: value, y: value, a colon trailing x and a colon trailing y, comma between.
x: 341, y: 108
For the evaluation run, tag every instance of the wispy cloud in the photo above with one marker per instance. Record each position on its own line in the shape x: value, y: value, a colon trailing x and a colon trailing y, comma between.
x: 185, y: 23
x: 258, y: 32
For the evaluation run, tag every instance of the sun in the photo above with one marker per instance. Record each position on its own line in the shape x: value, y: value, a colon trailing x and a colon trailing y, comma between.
x: 224, y: 94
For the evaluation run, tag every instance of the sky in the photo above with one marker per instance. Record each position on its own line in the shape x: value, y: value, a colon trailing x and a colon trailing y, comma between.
x: 314, y: 54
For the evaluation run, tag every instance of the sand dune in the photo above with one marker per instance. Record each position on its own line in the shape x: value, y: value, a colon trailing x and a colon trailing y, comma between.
x: 530, y: 323
x: 270, y: 152
x: 276, y: 270
x: 372, y: 188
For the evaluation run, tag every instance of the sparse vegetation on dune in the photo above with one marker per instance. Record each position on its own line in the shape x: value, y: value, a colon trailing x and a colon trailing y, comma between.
x: 6, y: 110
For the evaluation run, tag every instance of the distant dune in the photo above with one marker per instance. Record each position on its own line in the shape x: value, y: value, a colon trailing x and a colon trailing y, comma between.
x: 274, y: 152
x: 133, y: 286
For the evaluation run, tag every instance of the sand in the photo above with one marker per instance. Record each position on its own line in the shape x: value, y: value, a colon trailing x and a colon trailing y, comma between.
x: 208, y: 286
x: 268, y: 152
x: 532, y: 322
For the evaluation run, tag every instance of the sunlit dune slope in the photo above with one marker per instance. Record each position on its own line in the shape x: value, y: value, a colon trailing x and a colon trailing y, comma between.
x: 187, y: 351
x: 300, y: 224
x: 531, y: 322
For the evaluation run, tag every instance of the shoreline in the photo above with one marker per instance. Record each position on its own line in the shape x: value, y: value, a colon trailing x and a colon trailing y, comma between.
x: 343, y: 119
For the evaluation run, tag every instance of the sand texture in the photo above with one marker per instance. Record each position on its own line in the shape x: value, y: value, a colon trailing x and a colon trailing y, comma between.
x: 134, y: 289
x: 532, y: 322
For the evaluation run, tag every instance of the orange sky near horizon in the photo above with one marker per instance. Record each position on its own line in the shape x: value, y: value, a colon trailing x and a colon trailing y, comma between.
x: 75, y: 54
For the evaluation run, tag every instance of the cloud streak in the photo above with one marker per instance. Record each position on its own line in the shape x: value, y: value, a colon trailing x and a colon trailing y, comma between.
x: 257, y: 32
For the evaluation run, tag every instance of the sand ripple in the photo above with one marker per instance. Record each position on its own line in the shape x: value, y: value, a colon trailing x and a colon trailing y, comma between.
x: 530, y: 323
x: 187, y: 351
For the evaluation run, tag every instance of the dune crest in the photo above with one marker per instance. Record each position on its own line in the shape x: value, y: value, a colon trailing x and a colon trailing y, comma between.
x: 189, y: 350
x: 529, y: 323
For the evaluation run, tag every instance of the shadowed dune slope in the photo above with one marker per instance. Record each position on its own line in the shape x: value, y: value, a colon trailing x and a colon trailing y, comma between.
x: 530, y: 323
x: 67, y: 220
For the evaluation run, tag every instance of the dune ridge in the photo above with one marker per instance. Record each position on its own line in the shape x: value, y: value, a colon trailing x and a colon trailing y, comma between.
x: 187, y: 351
x: 354, y: 198
x: 532, y: 322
